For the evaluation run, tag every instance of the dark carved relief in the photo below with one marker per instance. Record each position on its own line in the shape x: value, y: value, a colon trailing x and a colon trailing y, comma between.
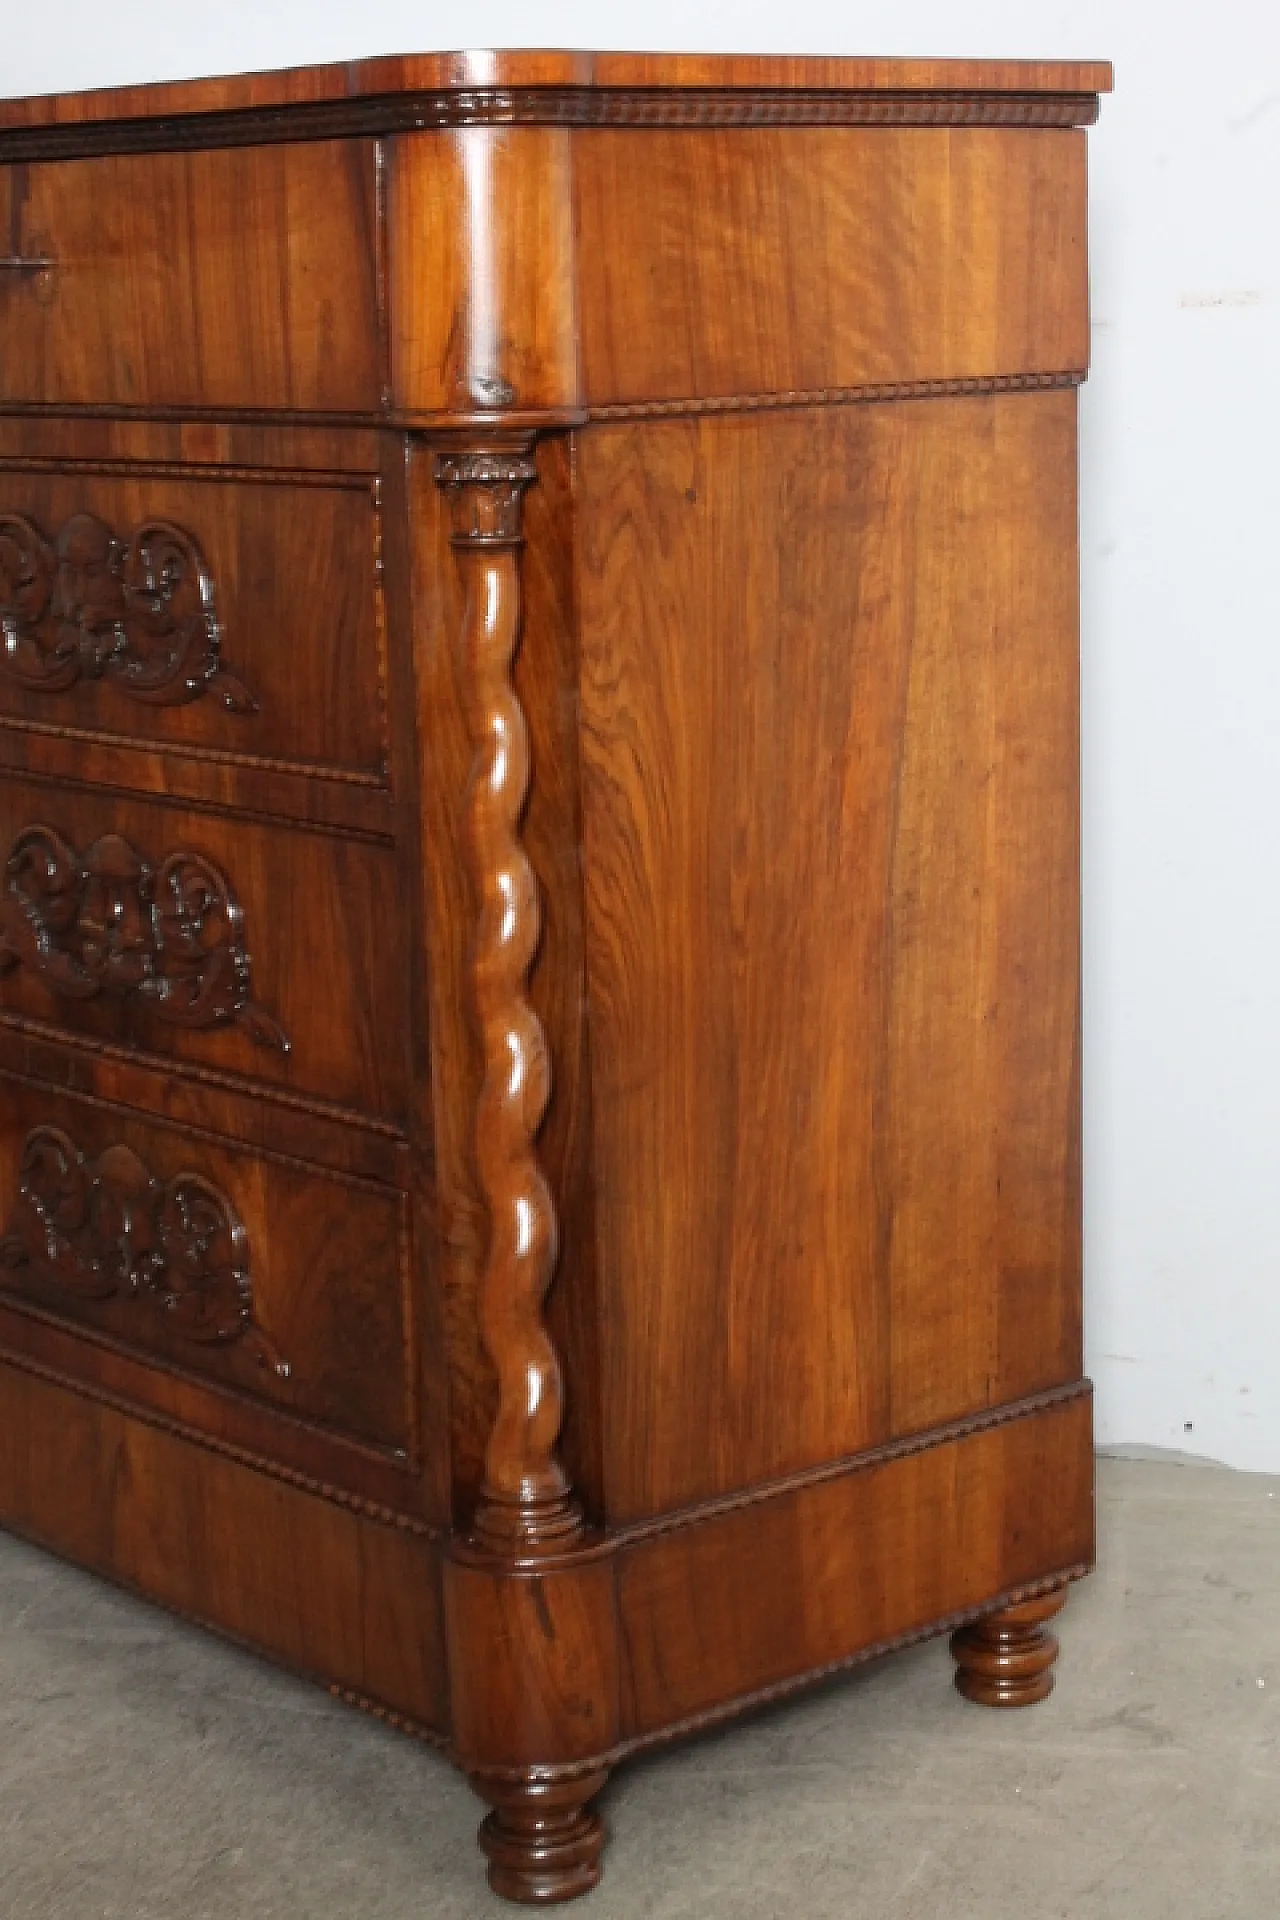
x: 101, y: 1229
x: 109, y: 922
x: 89, y: 605
x: 485, y: 488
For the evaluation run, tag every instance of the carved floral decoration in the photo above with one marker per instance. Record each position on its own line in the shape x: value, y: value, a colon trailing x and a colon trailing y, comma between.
x: 108, y: 921
x: 105, y: 1229
x: 137, y: 611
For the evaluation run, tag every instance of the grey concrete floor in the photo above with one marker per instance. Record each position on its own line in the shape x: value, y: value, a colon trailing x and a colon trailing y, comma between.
x: 148, y: 1772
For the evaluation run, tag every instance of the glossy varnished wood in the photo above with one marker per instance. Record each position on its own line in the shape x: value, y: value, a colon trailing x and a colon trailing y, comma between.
x: 753, y: 1595
x: 539, y: 1061
x: 481, y: 70
x: 300, y: 894
x: 291, y: 577
x: 239, y: 279
x: 351, y: 1600
x: 833, y: 994
x: 1006, y: 1658
x: 766, y: 261
x: 328, y: 1262
x: 525, y: 1505
x: 640, y: 1637
x: 493, y: 324
x: 293, y: 529
x: 200, y: 1096
x: 545, y: 680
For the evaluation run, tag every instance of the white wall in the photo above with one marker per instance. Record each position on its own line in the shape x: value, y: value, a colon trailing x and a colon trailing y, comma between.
x: 1181, y: 605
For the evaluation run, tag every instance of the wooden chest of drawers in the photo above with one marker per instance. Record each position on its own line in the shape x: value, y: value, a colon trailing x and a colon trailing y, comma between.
x: 539, y: 1045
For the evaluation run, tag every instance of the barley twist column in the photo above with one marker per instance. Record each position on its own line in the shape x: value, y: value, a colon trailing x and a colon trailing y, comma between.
x: 525, y: 1503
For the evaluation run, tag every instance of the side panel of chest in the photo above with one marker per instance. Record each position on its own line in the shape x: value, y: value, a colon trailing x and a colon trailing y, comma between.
x: 829, y: 797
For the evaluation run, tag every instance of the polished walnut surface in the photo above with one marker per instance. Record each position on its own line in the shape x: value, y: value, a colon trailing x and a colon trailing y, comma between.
x: 539, y: 997
x: 446, y: 75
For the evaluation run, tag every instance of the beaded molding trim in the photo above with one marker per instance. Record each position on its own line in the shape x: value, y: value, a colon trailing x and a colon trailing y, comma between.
x: 552, y: 106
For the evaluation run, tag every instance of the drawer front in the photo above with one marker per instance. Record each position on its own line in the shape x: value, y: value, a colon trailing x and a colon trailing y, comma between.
x: 250, y: 949
x: 239, y: 620
x: 242, y: 278
x: 238, y: 1271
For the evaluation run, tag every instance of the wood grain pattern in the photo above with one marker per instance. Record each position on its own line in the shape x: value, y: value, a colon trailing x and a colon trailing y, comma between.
x: 545, y: 674
x: 295, y: 535
x: 485, y: 69
x: 107, y: 1228
x: 767, y: 260
x: 259, y: 789
x: 223, y: 1104
x: 300, y: 896
x: 228, y: 446
x: 572, y: 107
x: 329, y: 1262
x: 983, y: 1027
x: 389, y: 1486
x: 525, y: 1505
x: 534, y: 1662
x: 492, y: 326
x: 629, y: 502
x: 137, y: 610
x: 686, y: 1598
x: 425, y: 594
x: 108, y: 922
x: 293, y: 570
x: 324, y: 1590
x: 830, y: 1210
x: 243, y: 278
x: 739, y: 1604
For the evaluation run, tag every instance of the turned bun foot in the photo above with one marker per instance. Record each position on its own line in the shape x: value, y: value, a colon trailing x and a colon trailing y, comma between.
x: 1006, y: 1659
x: 542, y: 1840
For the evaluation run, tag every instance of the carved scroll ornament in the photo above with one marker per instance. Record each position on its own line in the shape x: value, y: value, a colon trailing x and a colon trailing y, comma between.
x: 137, y: 611
x: 98, y: 1230
x: 107, y: 921
x: 525, y: 1506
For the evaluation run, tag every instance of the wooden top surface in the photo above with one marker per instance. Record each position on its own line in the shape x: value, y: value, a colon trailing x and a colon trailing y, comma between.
x: 485, y: 70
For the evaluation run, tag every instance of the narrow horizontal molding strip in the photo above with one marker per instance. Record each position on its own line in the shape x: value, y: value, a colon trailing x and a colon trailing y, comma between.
x: 304, y: 770
x: 553, y: 106
x: 265, y: 1092
x: 209, y: 1136
x: 203, y: 472
x: 682, y: 1519
x: 52, y: 412
x: 379, y: 836
x: 842, y: 396
x: 549, y: 421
